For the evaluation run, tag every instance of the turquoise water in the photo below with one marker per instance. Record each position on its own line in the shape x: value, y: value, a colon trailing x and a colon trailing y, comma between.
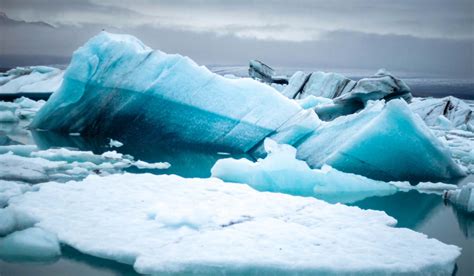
x: 426, y: 213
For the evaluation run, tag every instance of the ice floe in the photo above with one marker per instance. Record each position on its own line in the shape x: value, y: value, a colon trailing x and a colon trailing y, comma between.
x: 167, y: 223
x: 462, y: 198
x: 30, y: 80
x: 31, y: 165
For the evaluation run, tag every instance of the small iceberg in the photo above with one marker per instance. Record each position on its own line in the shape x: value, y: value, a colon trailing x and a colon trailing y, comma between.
x: 280, y: 171
x: 462, y: 198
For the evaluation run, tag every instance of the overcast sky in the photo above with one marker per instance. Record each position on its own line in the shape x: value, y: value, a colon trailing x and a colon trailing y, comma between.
x: 429, y: 36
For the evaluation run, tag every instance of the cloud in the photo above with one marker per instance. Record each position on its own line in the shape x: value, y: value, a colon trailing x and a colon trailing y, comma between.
x: 303, y: 20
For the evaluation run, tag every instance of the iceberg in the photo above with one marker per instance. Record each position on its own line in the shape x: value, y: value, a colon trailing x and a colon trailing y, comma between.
x: 384, y: 142
x: 169, y: 224
x: 447, y: 113
x: 461, y: 145
x: 262, y: 72
x: 349, y: 96
x: 280, y: 171
x: 115, y: 85
x: 34, y: 81
x: 462, y: 198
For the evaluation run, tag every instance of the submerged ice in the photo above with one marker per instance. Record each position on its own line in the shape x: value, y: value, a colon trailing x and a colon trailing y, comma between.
x: 117, y: 87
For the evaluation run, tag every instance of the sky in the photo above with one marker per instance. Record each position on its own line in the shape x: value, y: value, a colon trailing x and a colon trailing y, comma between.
x: 421, y: 36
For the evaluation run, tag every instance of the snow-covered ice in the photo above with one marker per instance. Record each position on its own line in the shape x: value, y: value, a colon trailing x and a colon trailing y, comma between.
x: 436, y: 112
x: 31, y: 165
x: 33, y: 244
x: 167, y: 223
x: 20, y: 109
x: 34, y: 79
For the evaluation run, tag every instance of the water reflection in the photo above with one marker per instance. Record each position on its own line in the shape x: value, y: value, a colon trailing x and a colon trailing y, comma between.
x: 71, y: 263
x: 186, y: 160
x: 427, y: 213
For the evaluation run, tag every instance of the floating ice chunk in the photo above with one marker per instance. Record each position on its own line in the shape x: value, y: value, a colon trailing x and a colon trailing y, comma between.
x: 152, y: 215
x: 169, y: 95
x: 17, y: 168
x: 443, y: 122
x: 144, y: 165
x: 313, y: 101
x: 34, y: 166
x: 7, y: 222
x: 349, y: 96
x: 9, y: 189
x: 20, y: 109
x: 460, y: 144
x: 429, y: 187
x: 462, y: 198
x: 34, y: 79
x: 459, y: 113
x: 6, y: 116
x: 114, y: 143
x: 280, y: 171
x: 385, y: 142
x: 32, y: 244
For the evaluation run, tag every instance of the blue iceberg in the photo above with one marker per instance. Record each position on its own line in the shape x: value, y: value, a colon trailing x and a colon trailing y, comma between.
x: 116, y: 85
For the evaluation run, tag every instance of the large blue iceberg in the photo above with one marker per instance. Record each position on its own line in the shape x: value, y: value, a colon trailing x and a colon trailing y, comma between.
x: 117, y: 87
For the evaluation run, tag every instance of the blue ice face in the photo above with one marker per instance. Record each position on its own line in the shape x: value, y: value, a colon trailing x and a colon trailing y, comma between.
x: 116, y: 85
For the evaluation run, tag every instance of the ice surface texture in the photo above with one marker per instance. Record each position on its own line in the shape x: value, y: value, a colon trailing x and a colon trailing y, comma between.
x: 462, y: 198
x: 115, y: 85
x: 34, y: 79
x: 280, y: 171
x: 28, y: 164
x: 167, y: 223
x: 446, y: 113
x: 349, y: 95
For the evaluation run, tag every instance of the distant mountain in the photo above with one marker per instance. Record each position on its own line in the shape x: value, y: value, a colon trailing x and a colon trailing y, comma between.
x: 7, y: 21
